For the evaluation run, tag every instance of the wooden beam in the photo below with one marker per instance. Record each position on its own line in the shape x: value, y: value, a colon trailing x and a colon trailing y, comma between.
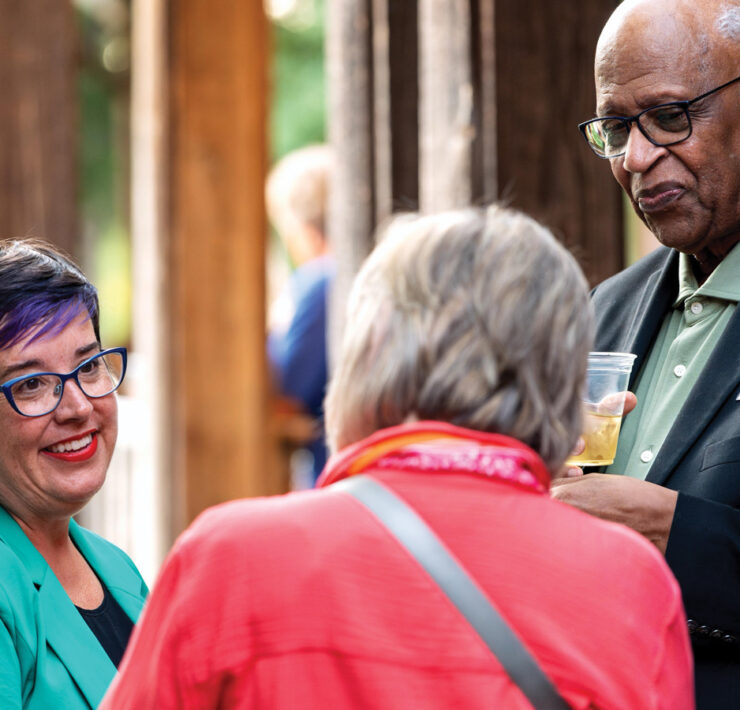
x: 447, y: 99
x: 149, y: 384
x: 351, y: 134
x: 396, y: 101
x: 544, y: 88
x: 484, y: 159
x: 38, y: 122
x: 217, y: 244
x: 500, y: 87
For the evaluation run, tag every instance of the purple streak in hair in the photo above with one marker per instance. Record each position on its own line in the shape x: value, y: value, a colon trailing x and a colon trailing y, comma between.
x: 41, y: 316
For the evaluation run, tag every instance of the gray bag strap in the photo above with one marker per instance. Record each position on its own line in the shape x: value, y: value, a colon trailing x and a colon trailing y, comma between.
x: 421, y: 542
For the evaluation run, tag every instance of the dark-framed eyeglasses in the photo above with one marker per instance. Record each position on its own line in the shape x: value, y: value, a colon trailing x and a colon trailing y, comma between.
x: 40, y: 392
x: 664, y: 124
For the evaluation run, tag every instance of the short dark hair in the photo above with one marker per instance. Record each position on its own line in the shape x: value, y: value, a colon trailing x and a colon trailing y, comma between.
x: 41, y: 290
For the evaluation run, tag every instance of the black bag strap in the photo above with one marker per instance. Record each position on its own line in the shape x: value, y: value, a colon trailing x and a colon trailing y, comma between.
x: 421, y: 542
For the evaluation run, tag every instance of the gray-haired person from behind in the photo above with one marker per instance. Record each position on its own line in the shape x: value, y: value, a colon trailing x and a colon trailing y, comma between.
x: 458, y: 390
x: 480, y: 319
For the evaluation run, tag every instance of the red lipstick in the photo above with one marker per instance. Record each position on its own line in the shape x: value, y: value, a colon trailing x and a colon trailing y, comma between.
x: 78, y: 455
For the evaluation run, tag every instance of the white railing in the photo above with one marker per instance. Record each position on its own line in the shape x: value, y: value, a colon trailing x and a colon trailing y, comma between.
x: 126, y: 511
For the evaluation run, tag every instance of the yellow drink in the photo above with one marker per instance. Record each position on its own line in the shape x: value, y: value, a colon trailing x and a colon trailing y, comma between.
x: 601, y: 432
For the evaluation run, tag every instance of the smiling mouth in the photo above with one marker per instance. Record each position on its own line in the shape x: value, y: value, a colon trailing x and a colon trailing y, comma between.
x: 659, y: 200
x: 74, y: 450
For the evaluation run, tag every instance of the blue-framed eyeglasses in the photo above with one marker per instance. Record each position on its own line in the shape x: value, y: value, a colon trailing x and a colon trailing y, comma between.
x: 664, y: 124
x: 40, y: 392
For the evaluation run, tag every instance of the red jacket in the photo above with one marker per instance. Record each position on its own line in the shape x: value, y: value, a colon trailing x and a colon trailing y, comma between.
x: 306, y: 601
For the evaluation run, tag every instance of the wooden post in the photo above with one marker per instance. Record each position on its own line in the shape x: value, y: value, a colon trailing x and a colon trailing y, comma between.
x: 501, y: 87
x: 447, y: 103
x: 352, y: 196
x: 151, y: 383
x: 403, y: 19
x: 373, y: 129
x: 216, y: 256
x: 38, y: 122
x: 544, y: 88
x: 484, y: 161
x: 396, y: 100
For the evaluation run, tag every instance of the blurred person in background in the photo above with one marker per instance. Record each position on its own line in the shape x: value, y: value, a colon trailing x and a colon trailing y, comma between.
x: 458, y: 389
x: 296, y: 196
x: 68, y: 599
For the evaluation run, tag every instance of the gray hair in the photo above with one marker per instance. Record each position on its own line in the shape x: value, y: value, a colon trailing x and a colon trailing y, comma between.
x: 475, y: 317
x: 728, y: 22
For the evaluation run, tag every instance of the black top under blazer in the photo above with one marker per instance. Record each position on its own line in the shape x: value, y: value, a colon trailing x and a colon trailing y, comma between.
x: 700, y: 458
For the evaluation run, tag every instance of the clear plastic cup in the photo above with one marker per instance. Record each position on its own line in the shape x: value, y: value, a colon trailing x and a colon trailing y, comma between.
x: 607, y: 378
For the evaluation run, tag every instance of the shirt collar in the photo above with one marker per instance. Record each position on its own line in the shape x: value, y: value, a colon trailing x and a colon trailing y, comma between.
x: 723, y: 283
x: 439, y: 440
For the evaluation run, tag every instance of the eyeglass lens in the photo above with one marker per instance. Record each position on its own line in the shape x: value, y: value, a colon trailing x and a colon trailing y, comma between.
x: 663, y: 124
x: 97, y: 377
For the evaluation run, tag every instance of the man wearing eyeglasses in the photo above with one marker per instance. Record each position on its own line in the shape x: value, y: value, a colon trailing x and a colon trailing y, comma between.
x: 668, y: 123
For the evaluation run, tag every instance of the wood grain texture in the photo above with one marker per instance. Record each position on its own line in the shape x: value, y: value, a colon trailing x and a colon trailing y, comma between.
x: 448, y: 103
x: 446, y: 111
x: 403, y: 61
x: 217, y: 223
x: 38, y: 122
x: 352, y: 216
x: 544, y: 80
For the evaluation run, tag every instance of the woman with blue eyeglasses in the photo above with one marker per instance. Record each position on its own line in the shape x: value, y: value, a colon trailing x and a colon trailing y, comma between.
x: 68, y: 598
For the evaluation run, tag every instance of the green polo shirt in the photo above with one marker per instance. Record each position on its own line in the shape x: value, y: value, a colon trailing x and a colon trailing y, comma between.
x: 687, y: 337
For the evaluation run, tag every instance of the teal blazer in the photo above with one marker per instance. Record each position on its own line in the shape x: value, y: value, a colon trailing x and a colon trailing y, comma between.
x: 49, y: 658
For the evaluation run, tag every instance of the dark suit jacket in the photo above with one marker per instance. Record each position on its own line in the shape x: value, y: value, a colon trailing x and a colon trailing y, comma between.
x: 700, y: 458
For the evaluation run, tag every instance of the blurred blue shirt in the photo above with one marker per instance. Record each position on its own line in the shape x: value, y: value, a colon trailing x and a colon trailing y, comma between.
x: 299, y: 355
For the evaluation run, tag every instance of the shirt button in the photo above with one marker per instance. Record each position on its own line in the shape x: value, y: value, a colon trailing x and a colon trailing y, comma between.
x: 646, y: 456
x: 696, y: 308
x: 679, y: 370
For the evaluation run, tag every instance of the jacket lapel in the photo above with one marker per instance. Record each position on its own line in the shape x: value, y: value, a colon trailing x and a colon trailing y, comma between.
x: 66, y: 631
x: 654, y: 302
x: 718, y: 381
x: 73, y: 642
x: 28, y: 555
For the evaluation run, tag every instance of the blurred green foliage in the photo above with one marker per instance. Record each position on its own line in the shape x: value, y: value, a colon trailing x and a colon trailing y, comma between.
x: 96, y: 167
x: 103, y: 101
x: 298, y: 101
